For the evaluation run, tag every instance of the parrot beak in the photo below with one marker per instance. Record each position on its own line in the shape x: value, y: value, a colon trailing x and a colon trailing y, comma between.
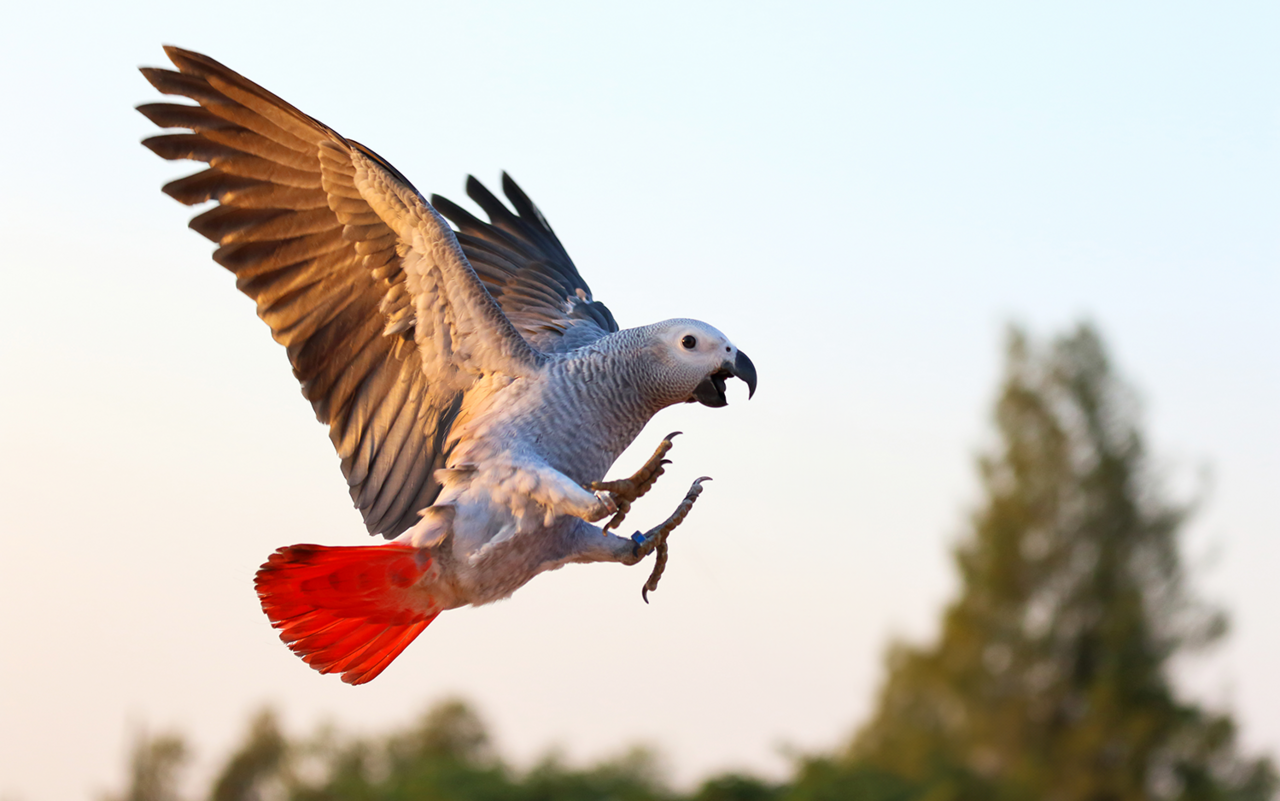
x: 744, y: 369
x: 710, y: 392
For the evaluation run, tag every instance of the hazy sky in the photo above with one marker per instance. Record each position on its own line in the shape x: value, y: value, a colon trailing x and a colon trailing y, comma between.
x: 862, y: 196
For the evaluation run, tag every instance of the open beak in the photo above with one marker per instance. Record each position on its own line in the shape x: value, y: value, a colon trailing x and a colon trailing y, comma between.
x: 710, y: 392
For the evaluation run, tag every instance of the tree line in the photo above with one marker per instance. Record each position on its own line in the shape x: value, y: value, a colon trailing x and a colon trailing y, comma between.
x: 1049, y: 680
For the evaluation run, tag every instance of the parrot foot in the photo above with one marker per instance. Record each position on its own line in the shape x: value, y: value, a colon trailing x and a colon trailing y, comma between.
x: 656, y: 538
x: 627, y: 491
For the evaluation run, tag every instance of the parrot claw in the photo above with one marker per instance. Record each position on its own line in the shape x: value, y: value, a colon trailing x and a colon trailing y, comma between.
x: 626, y: 491
x: 656, y: 538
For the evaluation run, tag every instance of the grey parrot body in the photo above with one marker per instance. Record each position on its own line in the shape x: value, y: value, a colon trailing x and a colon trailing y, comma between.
x: 513, y: 500
x: 475, y: 392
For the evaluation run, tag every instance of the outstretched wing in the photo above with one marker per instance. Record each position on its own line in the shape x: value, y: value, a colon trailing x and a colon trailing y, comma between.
x: 384, y: 321
x: 526, y: 269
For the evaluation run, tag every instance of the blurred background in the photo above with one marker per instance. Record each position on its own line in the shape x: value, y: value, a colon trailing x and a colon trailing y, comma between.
x: 864, y: 197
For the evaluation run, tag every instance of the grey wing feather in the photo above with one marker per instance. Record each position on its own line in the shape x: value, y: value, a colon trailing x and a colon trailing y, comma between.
x: 526, y: 269
x: 328, y: 276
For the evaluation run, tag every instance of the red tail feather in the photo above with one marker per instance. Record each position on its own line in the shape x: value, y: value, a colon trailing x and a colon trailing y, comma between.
x: 348, y: 610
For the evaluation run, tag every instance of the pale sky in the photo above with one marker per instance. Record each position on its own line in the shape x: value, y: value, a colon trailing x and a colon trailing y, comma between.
x: 861, y: 196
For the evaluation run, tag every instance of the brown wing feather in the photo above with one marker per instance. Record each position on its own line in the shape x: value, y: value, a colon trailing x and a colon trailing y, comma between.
x: 324, y: 272
x: 525, y: 268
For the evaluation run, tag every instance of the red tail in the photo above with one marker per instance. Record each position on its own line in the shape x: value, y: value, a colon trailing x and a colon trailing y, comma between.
x: 347, y: 610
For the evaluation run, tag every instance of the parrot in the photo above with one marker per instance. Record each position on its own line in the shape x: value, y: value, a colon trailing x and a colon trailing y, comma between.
x: 475, y: 392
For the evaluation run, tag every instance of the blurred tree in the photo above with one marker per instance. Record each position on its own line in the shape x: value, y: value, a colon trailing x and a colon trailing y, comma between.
x: 446, y: 755
x: 256, y: 764
x: 833, y: 779
x: 636, y: 775
x: 737, y: 787
x: 155, y: 765
x: 450, y: 731
x: 1049, y: 679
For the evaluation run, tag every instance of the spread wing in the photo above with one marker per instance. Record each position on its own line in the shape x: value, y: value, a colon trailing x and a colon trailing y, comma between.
x: 384, y: 321
x: 526, y: 269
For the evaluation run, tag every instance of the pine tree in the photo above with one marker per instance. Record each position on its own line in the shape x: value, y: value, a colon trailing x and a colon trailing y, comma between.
x: 1050, y: 677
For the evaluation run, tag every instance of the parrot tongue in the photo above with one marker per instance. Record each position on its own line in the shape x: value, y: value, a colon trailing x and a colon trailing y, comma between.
x: 710, y: 391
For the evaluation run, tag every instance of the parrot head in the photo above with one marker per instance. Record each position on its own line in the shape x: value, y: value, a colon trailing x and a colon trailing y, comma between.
x: 697, y: 359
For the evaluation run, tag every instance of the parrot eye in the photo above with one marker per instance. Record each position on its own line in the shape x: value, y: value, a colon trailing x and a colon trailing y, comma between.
x: 689, y: 342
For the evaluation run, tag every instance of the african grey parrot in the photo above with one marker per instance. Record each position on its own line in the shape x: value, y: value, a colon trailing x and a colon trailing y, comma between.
x: 474, y: 391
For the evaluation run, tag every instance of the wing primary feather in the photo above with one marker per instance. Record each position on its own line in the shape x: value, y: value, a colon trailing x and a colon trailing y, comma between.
x: 417, y: 469
x: 486, y: 200
x: 255, y: 144
x: 384, y: 459
x: 528, y: 211
x: 334, y: 376
x: 274, y: 196
x: 229, y: 224
x: 175, y: 83
x: 268, y: 282
x: 351, y: 426
x: 455, y: 213
x: 181, y: 115
x: 525, y: 268
x: 370, y: 441
x: 192, y: 146
x: 312, y: 307
x: 206, y: 185
x: 267, y: 256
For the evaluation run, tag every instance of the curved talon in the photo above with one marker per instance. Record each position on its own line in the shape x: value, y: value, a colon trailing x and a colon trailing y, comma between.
x: 627, y: 491
x: 659, y: 565
x: 656, y: 539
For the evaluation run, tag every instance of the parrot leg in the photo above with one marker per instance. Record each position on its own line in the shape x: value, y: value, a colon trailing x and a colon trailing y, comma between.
x: 656, y: 538
x: 627, y: 491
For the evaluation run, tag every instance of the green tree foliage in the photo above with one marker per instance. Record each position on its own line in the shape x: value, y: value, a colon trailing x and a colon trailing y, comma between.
x: 633, y: 776
x: 155, y: 768
x: 255, y: 766
x: 1049, y: 679
x: 448, y: 756
x: 737, y: 787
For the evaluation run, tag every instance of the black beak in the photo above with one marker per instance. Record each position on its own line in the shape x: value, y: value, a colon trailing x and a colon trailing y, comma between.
x: 744, y: 369
x: 710, y: 392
